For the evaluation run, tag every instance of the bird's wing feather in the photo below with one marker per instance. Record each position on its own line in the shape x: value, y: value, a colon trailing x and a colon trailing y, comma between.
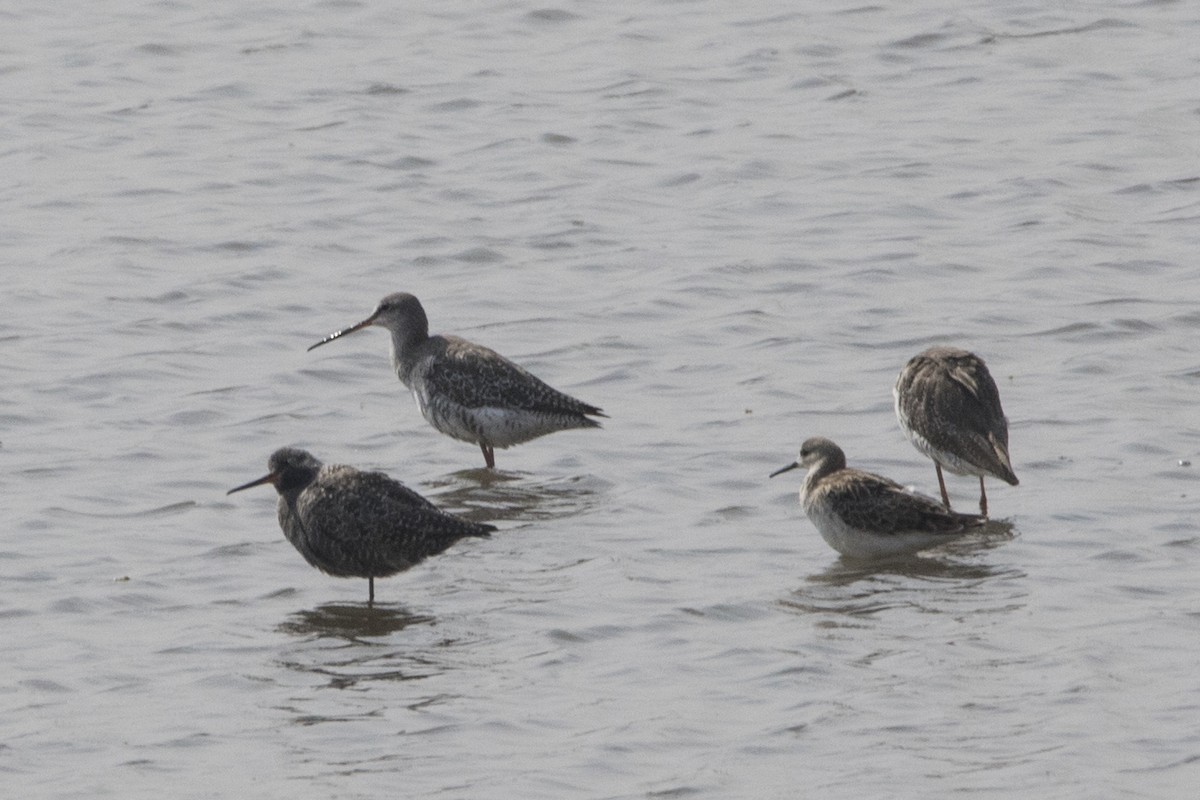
x: 477, y: 377
x: 958, y: 388
x: 372, y: 506
x: 872, y: 502
x: 382, y: 485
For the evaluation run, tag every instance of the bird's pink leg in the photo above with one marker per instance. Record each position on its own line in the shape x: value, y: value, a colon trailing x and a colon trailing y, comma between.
x: 942, y: 484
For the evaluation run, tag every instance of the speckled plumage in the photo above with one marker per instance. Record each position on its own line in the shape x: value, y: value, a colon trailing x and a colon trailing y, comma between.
x: 350, y: 523
x: 468, y: 391
x: 863, y: 515
x: 949, y: 408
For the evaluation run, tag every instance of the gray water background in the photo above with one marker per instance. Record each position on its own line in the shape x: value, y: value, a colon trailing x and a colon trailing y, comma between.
x: 729, y: 225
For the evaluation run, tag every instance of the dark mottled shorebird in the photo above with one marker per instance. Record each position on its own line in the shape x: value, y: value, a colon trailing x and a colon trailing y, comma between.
x: 863, y: 515
x: 949, y: 408
x: 356, y: 524
x: 468, y: 391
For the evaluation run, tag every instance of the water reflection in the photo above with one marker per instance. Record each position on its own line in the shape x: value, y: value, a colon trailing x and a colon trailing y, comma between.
x: 351, y: 645
x: 492, y: 495
x: 352, y: 622
x: 844, y: 572
x: 937, y: 580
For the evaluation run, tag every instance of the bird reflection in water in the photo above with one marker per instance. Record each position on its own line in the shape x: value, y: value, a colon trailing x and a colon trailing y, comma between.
x: 352, y: 621
x: 348, y: 646
x: 496, y: 495
x: 850, y: 588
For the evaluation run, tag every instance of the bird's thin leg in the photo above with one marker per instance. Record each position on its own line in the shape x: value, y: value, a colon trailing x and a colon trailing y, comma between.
x: 370, y: 592
x: 942, y: 484
x: 982, y: 498
x: 489, y: 455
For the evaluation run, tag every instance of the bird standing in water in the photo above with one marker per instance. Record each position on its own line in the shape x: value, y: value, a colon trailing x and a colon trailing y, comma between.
x: 355, y: 524
x: 468, y: 391
x: 867, y: 516
x: 949, y: 408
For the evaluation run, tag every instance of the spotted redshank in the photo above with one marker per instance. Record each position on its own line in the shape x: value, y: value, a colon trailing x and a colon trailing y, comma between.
x: 356, y: 524
x: 468, y: 391
x: 867, y: 516
x: 949, y: 408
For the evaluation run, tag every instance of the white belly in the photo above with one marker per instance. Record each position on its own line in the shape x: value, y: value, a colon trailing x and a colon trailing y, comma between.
x: 489, y: 425
x: 857, y: 543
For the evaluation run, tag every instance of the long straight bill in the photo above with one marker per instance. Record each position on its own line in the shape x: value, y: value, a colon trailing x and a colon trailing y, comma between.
x: 343, y: 332
x: 268, y: 478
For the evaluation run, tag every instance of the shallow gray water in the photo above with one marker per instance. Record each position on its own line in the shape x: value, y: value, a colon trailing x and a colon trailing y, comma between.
x: 729, y: 225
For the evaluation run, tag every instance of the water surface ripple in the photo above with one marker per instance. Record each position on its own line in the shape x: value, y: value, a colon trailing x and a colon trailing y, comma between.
x: 728, y: 225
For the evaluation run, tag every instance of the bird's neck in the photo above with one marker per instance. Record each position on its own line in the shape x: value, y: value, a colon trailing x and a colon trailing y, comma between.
x: 404, y: 352
x: 819, y: 471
